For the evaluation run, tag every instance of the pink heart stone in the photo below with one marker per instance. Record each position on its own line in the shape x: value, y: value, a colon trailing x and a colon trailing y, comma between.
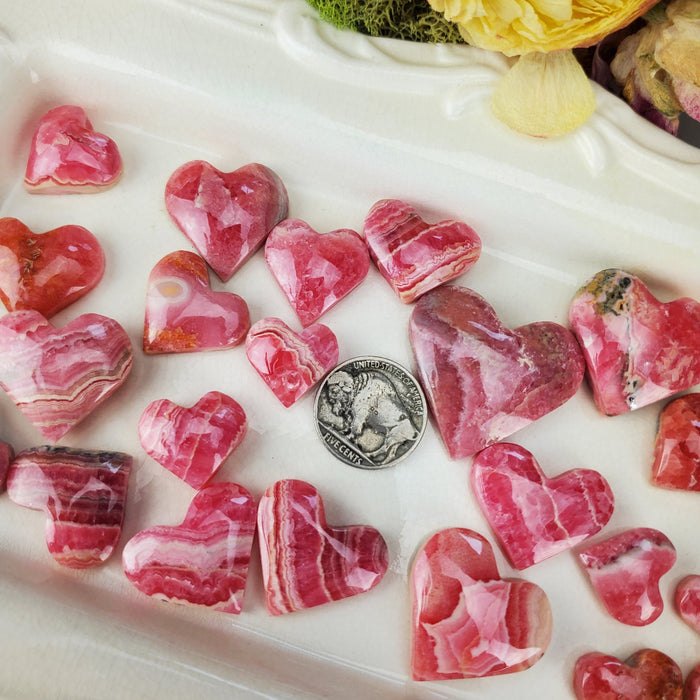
x: 290, y: 363
x: 646, y: 675
x: 483, y: 381
x: 414, y: 256
x: 204, y: 561
x: 692, y: 684
x: 193, y: 443
x: 637, y: 349
x: 315, y: 270
x: 56, y: 377
x: 68, y: 156
x: 184, y: 315
x: 305, y: 561
x: 7, y: 454
x: 83, y: 495
x: 226, y: 215
x: 687, y: 600
x: 535, y: 517
x: 677, y: 448
x: 47, y: 271
x: 467, y: 621
x: 625, y: 570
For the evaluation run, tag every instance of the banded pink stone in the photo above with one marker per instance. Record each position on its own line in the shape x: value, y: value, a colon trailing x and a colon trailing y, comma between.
x: 625, y: 571
x: 82, y: 494
x: 193, y: 442
x: 467, y: 621
x: 535, y: 517
x: 686, y: 599
x: 290, y: 363
x: 56, y: 377
x: 315, y: 270
x: 414, y: 256
x: 638, y: 350
x: 68, y: 156
x: 306, y: 562
x: 204, y: 561
x: 226, y: 216
x: 482, y: 380
x: 183, y: 314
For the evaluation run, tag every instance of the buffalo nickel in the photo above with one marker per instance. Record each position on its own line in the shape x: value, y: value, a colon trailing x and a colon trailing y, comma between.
x: 370, y: 412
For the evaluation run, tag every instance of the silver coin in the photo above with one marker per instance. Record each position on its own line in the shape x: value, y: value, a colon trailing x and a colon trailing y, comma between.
x: 370, y: 412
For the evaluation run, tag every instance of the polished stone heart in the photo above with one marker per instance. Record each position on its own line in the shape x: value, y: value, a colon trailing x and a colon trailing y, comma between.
x: 687, y: 600
x: 204, y: 561
x: 414, y: 256
x: 637, y: 349
x: 646, y: 675
x: 692, y: 684
x: 535, y: 517
x: 83, y: 495
x: 57, y: 376
x: 290, y: 363
x: 467, y: 621
x: 183, y: 314
x: 193, y: 442
x: 315, y: 270
x: 225, y: 215
x: 7, y: 454
x: 625, y: 571
x: 68, y: 156
x: 677, y: 448
x: 484, y: 381
x: 305, y: 561
x: 47, y: 271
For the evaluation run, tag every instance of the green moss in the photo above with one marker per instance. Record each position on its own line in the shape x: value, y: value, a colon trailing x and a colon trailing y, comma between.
x: 413, y: 20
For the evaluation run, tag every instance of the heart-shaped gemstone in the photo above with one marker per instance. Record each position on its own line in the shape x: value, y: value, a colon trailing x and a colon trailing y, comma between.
x: 68, y: 156
x: 203, y: 561
x: 625, y: 570
x: 290, y: 363
x: 315, y: 270
x: 225, y: 215
x: 646, y: 675
x: 687, y: 600
x: 305, y: 561
x: 194, y: 442
x: 467, y: 621
x: 57, y: 376
x: 535, y: 517
x: 484, y: 381
x: 692, y: 684
x: 637, y: 349
x: 47, y: 271
x: 677, y: 448
x: 183, y: 314
x: 414, y: 256
x: 83, y: 495
x: 7, y: 454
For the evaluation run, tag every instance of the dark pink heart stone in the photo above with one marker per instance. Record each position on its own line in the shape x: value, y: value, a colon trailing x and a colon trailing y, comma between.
x: 83, y: 495
x: 193, y: 442
x: 692, y: 684
x: 414, y: 256
x: 68, y: 156
x: 47, y: 271
x: 315, y: 270
x: 225, y: 215
x: 183, y: 314
x: 290, y: 363
x: 7, y: 454
x: 677, y: 448
x: 646, y: 675
x: 484, y: 381
x: 467, y: 621
x: 204, y: 561
x: 57, y: 376
x: 535, y: 517
x: 625, y: 570
x: 637, y: 349
x: 305, y: 561
x: 687, y: 600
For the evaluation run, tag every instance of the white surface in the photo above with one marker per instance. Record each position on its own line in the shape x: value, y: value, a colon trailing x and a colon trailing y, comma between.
x: 344, y: 121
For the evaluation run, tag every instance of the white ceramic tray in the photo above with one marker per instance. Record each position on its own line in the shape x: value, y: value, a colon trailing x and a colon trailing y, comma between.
x: 344, y: 121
